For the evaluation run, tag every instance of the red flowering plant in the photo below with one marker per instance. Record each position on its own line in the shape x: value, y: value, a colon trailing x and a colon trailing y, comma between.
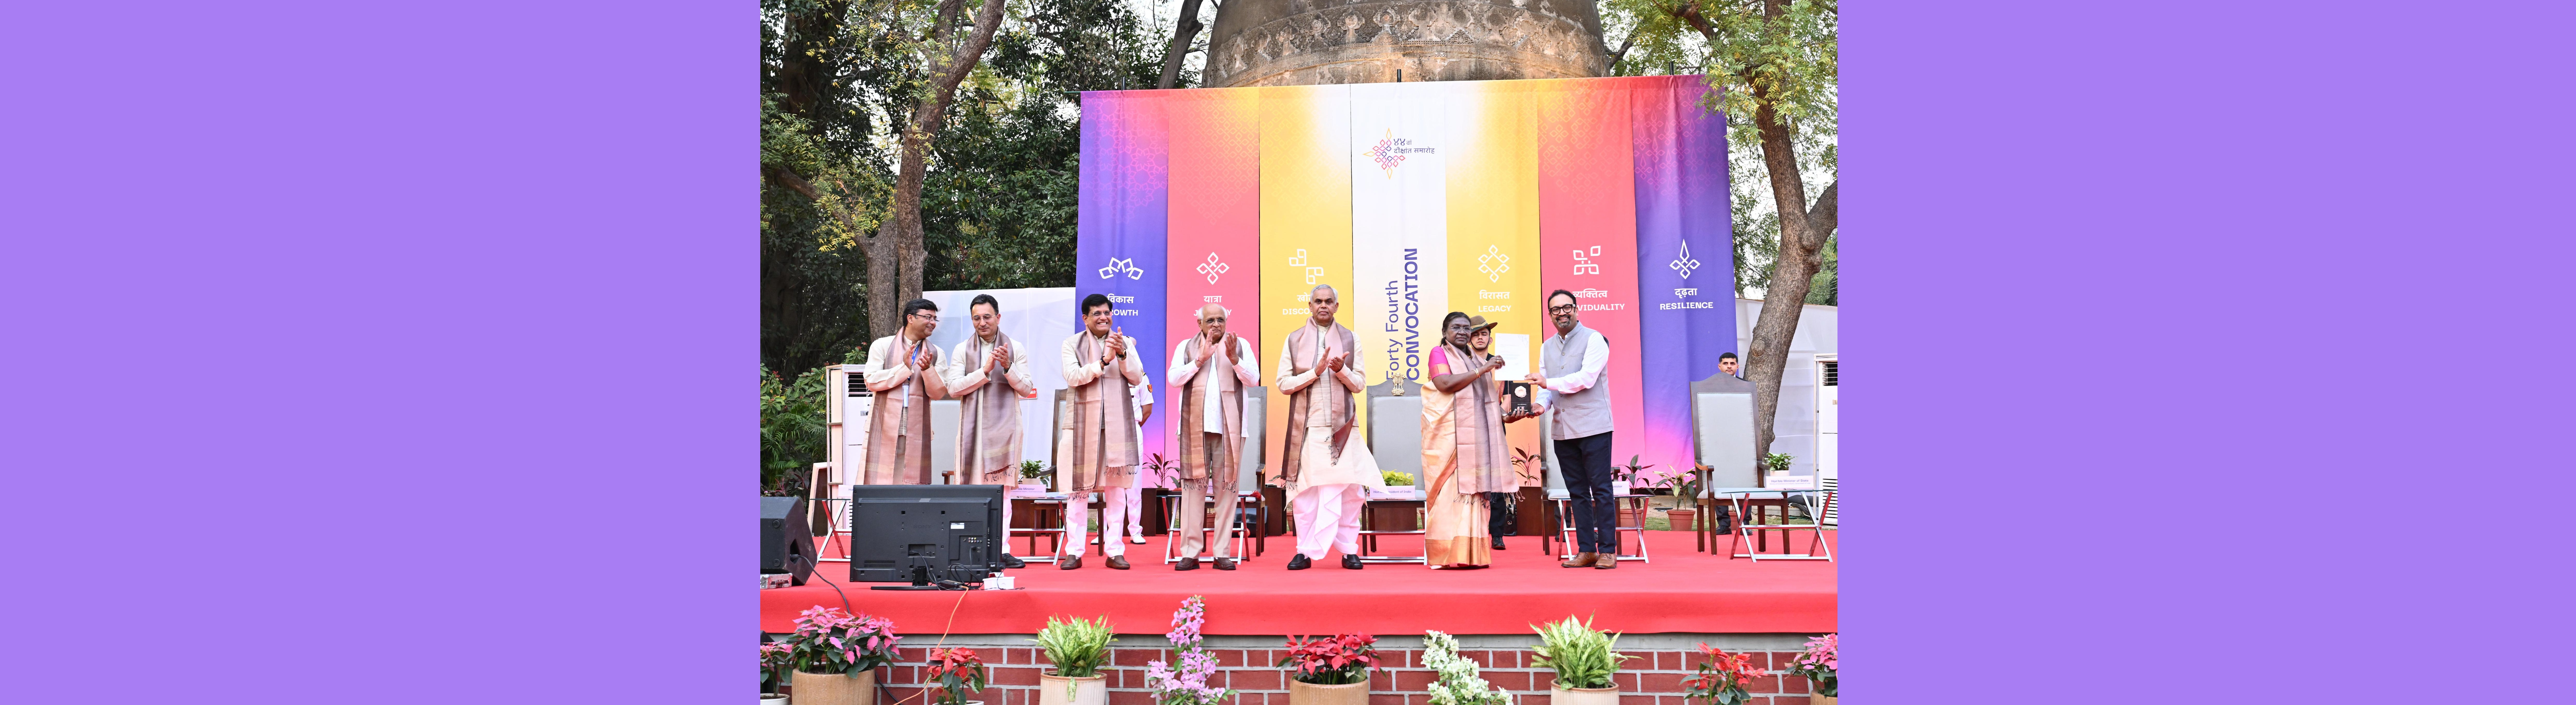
x: 828, y: 640
x: 1722, y: 677
x: 959, y: 672
x: 1339, y: 660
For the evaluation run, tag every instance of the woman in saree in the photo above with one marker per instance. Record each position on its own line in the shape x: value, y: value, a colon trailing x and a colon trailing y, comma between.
x: 1462, y: 448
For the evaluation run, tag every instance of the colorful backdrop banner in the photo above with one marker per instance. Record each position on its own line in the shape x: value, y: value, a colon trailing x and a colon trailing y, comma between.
x: 1416, y: 199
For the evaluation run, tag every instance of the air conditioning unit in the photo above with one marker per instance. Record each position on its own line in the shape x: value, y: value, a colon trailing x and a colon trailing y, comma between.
x: 846, y: 406
x: 1828, y: 427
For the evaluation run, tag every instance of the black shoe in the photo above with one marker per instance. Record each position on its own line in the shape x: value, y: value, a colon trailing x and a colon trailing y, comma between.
x: 1224, y: 563
x: 1300, y: 562
x: 1190, y: 563
x: 1069, y: 563
x: 1009, y: 561
x: 1498, y: 543
x: 1350, y: 561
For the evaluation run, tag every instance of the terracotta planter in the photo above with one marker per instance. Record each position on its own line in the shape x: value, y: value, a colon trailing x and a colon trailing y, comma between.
x: 833, y: 688
x: 1682, y: 519
x: 1559, y: 695
x: 1303, y: 693
x: 1059, y: 690
x: 1814, y: 699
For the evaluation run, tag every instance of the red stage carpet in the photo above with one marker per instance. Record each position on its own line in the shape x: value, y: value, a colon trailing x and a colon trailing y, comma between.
x: 1680, y: 591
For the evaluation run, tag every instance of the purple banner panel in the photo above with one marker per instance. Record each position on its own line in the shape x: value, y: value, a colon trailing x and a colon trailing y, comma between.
x: 1685, y: 250
x: 1121, y: 222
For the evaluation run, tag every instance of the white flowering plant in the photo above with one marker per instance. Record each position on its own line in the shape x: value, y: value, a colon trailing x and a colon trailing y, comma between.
x: 1457, y: 683
x: 1183, y: 680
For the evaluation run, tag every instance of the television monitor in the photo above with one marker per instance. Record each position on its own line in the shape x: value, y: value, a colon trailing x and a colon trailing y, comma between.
x: 923, y: 534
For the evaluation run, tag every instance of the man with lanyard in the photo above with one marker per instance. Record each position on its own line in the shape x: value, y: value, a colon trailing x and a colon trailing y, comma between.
x: 1326, y: 471
x: 989, y: 374
x: 902, y: 371
x: 1104, y: 374
x: 1211, y: 370
x: 1576, y: 383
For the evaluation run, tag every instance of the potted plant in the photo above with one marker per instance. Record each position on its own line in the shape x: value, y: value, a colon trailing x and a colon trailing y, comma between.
x: 1330, y: 671
x: 1530, y: 516
x: 958, y: 672
x: 1685, y: 512
x: 1776, y: 463
x: 836, y: 656
x: 1077, y: 647
x: 1456, y: 682
x: 1036, y: 474
x: 1624, y: 481
x: 1398, y: 484
x: 1583, y: 660
x: 1818, y: 665
x: 773, y: 671
x: 1721, y: 678
x: 1183, y: 679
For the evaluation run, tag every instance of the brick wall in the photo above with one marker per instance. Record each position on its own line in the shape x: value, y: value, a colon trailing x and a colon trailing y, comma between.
x: 1653, y: 678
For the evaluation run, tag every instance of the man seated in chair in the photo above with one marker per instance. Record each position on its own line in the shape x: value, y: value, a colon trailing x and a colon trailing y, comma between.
x: 1211, y: 370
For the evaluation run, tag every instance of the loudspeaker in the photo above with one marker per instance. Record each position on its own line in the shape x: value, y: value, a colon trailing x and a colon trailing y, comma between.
x: 785, y: 544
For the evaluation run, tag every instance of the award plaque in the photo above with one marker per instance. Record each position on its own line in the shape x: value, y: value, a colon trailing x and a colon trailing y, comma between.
x: 1520, y: 393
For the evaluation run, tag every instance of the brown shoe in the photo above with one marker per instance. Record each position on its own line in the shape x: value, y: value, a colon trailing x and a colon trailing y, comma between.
x: 1117, y: 562
x: 1608, y: 561
x: 1223, y: 563
x: 1582, y: 560
x: 1068, y: 563
x: 1190, y: 563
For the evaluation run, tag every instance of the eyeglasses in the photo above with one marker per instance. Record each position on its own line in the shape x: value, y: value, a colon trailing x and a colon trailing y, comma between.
x: 934, y: 318
x: 1568, y: 308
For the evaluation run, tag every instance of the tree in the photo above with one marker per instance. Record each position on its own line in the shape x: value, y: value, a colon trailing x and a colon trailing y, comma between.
x: 896, y: 253
x: 1184, y: 32
x: 1773, y: 64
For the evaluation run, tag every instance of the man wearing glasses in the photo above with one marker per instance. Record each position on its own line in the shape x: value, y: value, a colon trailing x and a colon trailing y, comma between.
x: 988, y: 375
x: 1576, y: 384
x: 903, y: 373
x: 1105, y: 374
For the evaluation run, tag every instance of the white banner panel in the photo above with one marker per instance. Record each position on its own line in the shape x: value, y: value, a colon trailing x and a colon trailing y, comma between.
x: 1399, y: 225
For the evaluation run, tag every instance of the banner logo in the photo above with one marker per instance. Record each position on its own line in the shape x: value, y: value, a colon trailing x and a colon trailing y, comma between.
x: 1494, y: 263
x: 1583, y: 263
x: 1311, y: 272
x: 1212, y: 268
x: 1389, y: 152
x: 1117, y: 265
x: 1685, y: 264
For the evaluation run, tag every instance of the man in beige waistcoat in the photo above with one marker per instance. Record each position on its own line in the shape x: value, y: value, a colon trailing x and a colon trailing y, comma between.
x: 1211, y: 370
x: 902, y: 370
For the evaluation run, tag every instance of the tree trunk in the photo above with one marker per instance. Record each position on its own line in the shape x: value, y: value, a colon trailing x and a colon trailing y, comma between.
x: 1183, y: 34
x: 896, y: 255
x: 1802, y: 235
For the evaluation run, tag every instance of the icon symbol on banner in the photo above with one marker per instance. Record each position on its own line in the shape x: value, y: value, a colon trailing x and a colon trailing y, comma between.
x: 1493, y: 263
x: 1300, y: 261
x: 1117, y: 265
x: 1685, y: 264
x: 1212, y: 268
x: 1583, y: 263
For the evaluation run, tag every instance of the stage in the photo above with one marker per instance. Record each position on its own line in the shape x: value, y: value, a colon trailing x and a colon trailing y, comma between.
x: 1679, y: 591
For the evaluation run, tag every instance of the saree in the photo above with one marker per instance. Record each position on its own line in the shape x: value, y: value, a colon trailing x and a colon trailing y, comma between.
x: 1462, y: 458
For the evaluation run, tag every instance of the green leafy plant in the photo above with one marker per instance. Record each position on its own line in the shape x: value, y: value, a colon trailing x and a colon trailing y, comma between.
x: 1456, y: 683
x: 792, y: 430
x: 1628, y: 473
x: 1581, y: 656
x: 1156, y: 469
x: 1076, y: 646
x: 1034, y: 470
x: 1396, y: 479
x: 1777, y: 462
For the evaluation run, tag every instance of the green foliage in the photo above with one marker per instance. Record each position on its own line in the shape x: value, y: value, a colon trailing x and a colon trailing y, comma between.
x: 793, y: 427
x: 1777, y: 462
x: 1582, y: 657
x: 1395, y: 479
x: 1076, y: 646
x: 1034, y: 470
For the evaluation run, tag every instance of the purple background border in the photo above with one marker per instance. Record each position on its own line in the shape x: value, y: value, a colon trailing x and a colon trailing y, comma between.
x: 533, y: 222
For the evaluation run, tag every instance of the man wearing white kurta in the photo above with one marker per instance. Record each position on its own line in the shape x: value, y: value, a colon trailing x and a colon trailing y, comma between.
x: 1211, y: 370
x: 1327, y: 469
x: 1103, y: 370
x: 988, y: 375
x: 1135, y: 490
x: 903, y: 372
